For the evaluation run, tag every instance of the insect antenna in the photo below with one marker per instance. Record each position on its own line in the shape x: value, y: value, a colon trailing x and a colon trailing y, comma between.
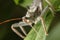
x: 9, y: 20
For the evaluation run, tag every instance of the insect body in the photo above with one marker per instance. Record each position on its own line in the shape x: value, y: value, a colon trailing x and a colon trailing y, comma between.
x: 34, y: 14
x: 31, y: 16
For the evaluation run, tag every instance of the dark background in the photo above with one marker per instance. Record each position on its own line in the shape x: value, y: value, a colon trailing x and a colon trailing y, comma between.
x: 9, y: 10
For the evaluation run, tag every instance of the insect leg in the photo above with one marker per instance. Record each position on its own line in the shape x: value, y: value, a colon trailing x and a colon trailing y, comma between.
x: 21, y: 24
x: 35, y: 30
x: 30, y: 23
x: 43, y: 24
x: 53, y: 12
x: 44, y: 10
x: 41, y: 5
x: 42, y: 20
x: 18, y: 33
x: 51, y: 7
x: 49, y: 3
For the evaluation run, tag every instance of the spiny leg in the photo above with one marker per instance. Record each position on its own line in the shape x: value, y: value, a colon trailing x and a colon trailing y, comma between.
x: 23, y: 30
x: 52, y: 9
x: 43, y: 24
x: 53, y: 12
x: 29, y: 23
x: 42, y: 13
x: 44, y: 10
x: 35, y: 30
x: 21, y: 24
x: 42, y: 19
x: 18, y: 33
x: 24, y: 24
x: 48, y: 2
x: 41, y: 5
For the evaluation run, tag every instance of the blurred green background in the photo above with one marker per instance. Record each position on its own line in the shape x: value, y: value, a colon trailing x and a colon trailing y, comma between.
x: 8, y: 10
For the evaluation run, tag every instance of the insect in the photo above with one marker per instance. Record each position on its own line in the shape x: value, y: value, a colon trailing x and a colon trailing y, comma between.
x: 34, y: 14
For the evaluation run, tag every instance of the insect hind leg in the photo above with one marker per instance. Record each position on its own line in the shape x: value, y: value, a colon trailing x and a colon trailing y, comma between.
x: 43, y: 25
x: 52, y: 9
x: 16, y: 31
x: 42, y: 19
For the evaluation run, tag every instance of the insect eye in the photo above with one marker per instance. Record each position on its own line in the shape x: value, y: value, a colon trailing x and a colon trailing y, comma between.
x: 27, y: 17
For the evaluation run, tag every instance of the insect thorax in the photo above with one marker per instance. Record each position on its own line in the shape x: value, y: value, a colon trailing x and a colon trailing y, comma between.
x: 34, y: 11
x: 33, y: 15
